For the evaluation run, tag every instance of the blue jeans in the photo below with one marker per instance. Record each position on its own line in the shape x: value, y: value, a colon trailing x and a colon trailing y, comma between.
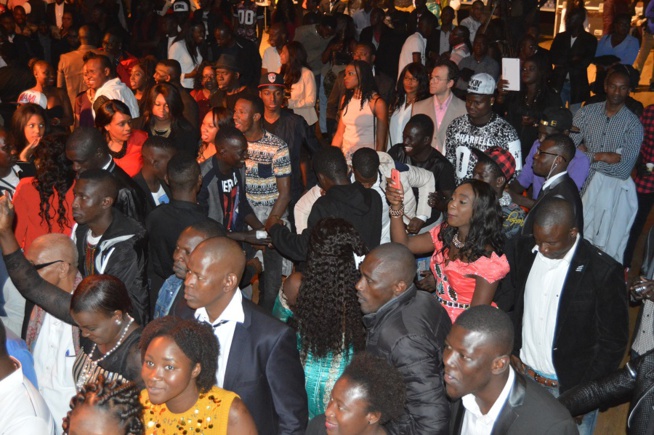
x: 587, y: 425
x: 565, y: 97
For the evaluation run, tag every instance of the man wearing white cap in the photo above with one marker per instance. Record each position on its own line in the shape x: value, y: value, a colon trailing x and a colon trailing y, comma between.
x: 480, y: 128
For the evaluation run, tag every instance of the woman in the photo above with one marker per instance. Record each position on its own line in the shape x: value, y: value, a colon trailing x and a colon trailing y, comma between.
x: 186, y: 50
x: 326, y: 311
x: 141, y: 79
x: 300, y: 82
x: 412, y: 86
x: 105, y: 407
x: 114, y: 121
x: 467, y: 260
x: 28, y: 126
x: 58, y: 108
x: 43, y: 203
x: 214, y: 120
x: 364, y: 119
x: 369, y: 394
x: 523, y: 109
x: 205, y: 86
x: 163, y: 116
x: 179, y: 371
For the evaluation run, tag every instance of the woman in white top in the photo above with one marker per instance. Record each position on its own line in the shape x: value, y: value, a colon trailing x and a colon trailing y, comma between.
x: 186, y: 50
x: 300, y: 81
x: 412, y: 86
x: 364, y: 114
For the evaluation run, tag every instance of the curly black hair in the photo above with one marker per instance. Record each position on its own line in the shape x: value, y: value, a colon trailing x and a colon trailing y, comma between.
x: 195, y: 339
x: 54, y: 172
x: 419, y: 72
x: 384, y: 386
x: 327, y: 311
x: 367, y: 83
x: 485, y: 225
x: 119, y: 400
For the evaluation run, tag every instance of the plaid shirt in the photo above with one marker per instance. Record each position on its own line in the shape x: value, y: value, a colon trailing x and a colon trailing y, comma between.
x: 644, y: 179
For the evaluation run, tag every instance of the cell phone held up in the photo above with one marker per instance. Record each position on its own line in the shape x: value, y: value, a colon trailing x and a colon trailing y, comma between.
x: 395, y: 178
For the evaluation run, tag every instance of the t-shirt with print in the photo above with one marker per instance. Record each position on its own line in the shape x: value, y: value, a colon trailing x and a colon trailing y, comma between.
x: 247, y: 16
x: 462, y: 136
x: 268, y: 159
x: 229, y: 190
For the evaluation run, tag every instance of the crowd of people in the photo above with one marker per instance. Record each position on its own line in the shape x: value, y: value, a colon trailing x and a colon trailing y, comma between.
x: 321, y: 218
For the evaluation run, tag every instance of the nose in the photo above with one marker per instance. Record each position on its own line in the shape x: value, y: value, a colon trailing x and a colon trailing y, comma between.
x: 447, y: 357
x: 76, y: 167
x: 359, y: 284
x: 330, y: 408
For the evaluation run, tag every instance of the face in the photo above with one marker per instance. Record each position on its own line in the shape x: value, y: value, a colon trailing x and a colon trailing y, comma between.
x: 223, y: 38
x: 94, y: 75
x: 34, y: 129
x: 413, y: 140
x: 226, y: 78
x: 120, y: 127
x: 89, y: 204
x: 447, y: 16
x: 478, y: 106
x: 545, y: 158
x: 544, y: 131
x: 468, y: 361
x: 44, y: 74
x: 111, y: 44
x: 67, y: 20
x: 243, y: 115
x: 99, y: 327
x: 272, y: 97
x: 484, y: 172
x: 351, y: 79
x: 459, y: 209
x: 7, y: 155
x: 73, y: 38
x: 137, y: 78
x: 477, y: 11
x: 361, y: 52
x: 480, y: 47
x: 207, y: 129
x: 160, y: 108
x: 156, y: 160
x: 88, y: 420
x: 284, y: 56
x: 439, y: 84
x: 617, y: 89
x: 186, y: 243
x: 276, y: 37
x: 20, y: 16
x: 9, y: 24
x: 528, y: 48
x: 554, y: 241
x: 82, y: 162
x: 209, y: 79
x: 168, y: 374
x: 620, y: 28
x: 347, y: 411
x: 234, y: 153
x: 529, y: 73
x: 198, y: 34
x: 375, y: 287
x: 161, y: 74
x: 204, y: 282
x: 410, y: 83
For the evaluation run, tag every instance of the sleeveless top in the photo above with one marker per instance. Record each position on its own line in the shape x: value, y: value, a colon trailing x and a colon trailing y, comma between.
x: 359, y: 127
x: 209, y: 415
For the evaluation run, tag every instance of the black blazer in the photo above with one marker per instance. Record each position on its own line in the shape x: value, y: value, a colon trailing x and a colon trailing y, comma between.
x: 574, y: 61
x: 50, y: 13
x: 592, y: 326
x: 563, y: 187
x: 529, y: 409
x: 264, y: 369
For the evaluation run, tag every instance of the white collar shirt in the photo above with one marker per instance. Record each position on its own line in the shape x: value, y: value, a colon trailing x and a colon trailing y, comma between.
x: 550, y: 180
x: 474, y: 422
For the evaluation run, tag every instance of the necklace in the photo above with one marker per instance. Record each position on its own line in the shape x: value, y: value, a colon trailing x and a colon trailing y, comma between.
x: 120, y: 153
x: 457, y: 243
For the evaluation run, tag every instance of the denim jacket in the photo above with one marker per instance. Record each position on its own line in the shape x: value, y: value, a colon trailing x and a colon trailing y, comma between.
x: 167, y: 296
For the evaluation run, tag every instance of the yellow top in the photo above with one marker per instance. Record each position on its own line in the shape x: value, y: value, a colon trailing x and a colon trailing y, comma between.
x: 208, y: 416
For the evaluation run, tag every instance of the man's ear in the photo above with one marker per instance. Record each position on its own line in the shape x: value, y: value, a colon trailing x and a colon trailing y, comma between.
x: 107, y: 72
x: 256, y: 117
x: 231, y: 282
x: 500, y: 364
x: 107, y: 202
x: 399, y: 288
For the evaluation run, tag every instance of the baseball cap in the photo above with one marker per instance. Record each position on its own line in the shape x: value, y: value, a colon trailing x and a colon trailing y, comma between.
x: 482, y: 84
x: 271, y: 79
x: 559, y: 118
x: 33, y: 97
x: 500, y: 157
x: 180, y: 6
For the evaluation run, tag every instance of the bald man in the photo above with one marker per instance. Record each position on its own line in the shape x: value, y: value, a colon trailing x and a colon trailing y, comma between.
x: 53, y: 342
x: 407, y: 327
x: 258, y: 357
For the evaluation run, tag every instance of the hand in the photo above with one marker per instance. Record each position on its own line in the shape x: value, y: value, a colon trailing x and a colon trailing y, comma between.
x: 394, y: 196
x: 28, y: 151
x: 271, y: 221
x: 528, y: 121
x: 428, y: 282
x: 582, y: 147
x: 502, y: 86
x: 251, y: 238
x: 415, y: 225
x: 610, y: 158
x: 437, y: 200
x: 6, y: 214
x: 647, y: 293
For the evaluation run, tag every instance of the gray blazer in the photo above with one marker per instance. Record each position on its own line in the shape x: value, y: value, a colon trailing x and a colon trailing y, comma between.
x: 456, y: 108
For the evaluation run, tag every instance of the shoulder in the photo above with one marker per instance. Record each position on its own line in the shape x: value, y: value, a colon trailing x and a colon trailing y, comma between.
x: 264, y: 323
x: 598, y: 259
x: 422, y: 105
x: 541, y: 405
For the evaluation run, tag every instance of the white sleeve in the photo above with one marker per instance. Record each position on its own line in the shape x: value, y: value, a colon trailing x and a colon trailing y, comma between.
x: 514, y: 148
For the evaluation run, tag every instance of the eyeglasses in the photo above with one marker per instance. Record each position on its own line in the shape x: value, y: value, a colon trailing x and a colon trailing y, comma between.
x: 44, y: 265
x: 539, y: 151
x: 438, y: 79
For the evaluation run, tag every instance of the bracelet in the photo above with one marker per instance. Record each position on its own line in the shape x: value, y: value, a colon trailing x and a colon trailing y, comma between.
x: 396, y: 213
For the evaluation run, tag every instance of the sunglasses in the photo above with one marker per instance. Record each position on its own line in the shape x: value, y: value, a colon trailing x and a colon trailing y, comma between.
x: 43, y: 265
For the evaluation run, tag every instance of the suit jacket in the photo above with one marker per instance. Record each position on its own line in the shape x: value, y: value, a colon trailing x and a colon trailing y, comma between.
x: 389, y: 49
x: 50, y: 13
x: 456, y: 108
x: 337, y: 8
x: 563, y: 187
x: 264, y: 370
x: 529, y: 409
x: 592, y: 325
x: 69, y: 73
x: 573, y: 60
x: 149, y: 200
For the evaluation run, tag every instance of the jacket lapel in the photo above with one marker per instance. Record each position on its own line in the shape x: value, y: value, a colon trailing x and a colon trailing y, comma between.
x: 572, y: 282
x: 508, y: 413
x: 241, y: 336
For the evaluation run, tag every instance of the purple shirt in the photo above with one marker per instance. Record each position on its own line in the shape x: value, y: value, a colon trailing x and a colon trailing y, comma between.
x: 577, y: 170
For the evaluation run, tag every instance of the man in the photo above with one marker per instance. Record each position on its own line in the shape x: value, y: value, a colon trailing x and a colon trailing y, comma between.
x: 108, y: 242
x: 52, y: 341
x: 156, y: 152
x: 646, y: 43
x: 570, y: 315
x: 415, y: 46
x: 609, y: 195
x: 331, y: 7
x: 248, y: 59
x: 407, y: 327
x: 361, y: 17
x: 490, y: 396
x: 54, y: 13
x: 277, y: 38
x: 447, y: 18
x: 380, y: 34
x: 165, y: 223
x: 473, y: 21
x: 25, y: 46
x: 416, y: 150
x: 122, y: 61
x: 551, y: 162
x: 258, y: 357
x: 478, y: 62
x: 87, y: 149
x: 23, y: 408
x: 342, y: 199
x: 268, y: 181
x: 70, y: 74
x: 170, y: 71
x: 496, y: 166
x: 98, y: 75
x: 230, y: 88
x: 443, y: 106
x: 481, y: 128
x: 459, y: 41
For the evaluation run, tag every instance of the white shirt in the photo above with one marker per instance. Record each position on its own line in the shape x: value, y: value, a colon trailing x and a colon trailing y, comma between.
x: 444, y: 43
x: 271, y: 60
x: 476, y: 423
x: 160, y: 196
x: 472, y: 25
x: 24, y: 411
x: 115, y: 89
x: 54, y: 356
x: 542, y: 297
x: 550, y: 180
x: 59, y: 14
x: 303, y: 208
x: 361, y: 20
x: 414, y: 43
x: 14, y: 307
x: 179, y: 52
x: 233, y: 314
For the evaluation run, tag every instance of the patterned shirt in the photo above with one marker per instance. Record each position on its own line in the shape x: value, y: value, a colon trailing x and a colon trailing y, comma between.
x: 247, y: 16
x: 645, y: 179
x: 462, y: 136
x: 268, y: 159
x: 622, y: 133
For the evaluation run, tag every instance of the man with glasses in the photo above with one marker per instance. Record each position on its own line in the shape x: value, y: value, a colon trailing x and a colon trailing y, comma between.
x: 443, y: 106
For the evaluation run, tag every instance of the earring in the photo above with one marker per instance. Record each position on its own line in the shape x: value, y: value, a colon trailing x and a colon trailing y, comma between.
x: 118, y: 322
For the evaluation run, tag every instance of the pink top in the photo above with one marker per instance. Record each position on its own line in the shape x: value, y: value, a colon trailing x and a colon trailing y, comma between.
x: 455, y: 280
x: 440, y: 109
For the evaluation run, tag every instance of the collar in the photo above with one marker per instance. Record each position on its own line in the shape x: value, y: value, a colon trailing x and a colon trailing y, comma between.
x: 108, y: 164
x: 568, y: 256
x: 550, y: 180
x: 470, y: 404
x: 444, y: 103
x: 372, y: 319
x: 233, y: 312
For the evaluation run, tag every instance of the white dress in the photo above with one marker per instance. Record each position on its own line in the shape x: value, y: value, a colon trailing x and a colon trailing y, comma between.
x: 359, y: 127
x: 179, y: 52
x: 399, y: 119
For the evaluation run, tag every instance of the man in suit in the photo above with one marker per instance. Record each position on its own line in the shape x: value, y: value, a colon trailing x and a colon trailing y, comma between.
x: 570, y: 312
x: 551, y: 162
x: 443, y: 106
x: 258, y: 357
x: 380, y: 35
x: 492, y: 397
x: 69, y: 73
x: 54, y: 13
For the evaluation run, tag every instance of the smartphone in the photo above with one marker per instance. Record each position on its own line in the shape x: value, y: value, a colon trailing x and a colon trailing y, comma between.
x: 395, y: 177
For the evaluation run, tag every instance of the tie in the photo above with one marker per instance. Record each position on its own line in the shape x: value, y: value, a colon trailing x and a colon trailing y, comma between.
x: 222, y: 322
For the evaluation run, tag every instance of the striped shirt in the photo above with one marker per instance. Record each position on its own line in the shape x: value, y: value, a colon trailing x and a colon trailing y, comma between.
x: 268, y: 159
